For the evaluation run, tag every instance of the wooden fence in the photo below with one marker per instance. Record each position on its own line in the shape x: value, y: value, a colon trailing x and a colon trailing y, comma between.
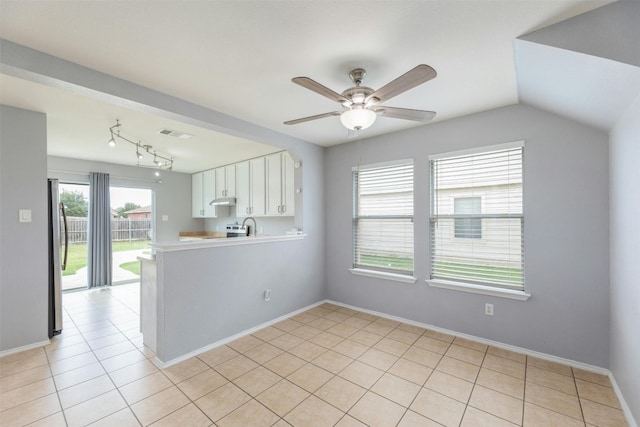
x: 122, y: 229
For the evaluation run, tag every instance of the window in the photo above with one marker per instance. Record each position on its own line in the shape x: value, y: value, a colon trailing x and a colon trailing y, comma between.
x: 469, y: 226
x: 477, y: 221
x: 383, y: 217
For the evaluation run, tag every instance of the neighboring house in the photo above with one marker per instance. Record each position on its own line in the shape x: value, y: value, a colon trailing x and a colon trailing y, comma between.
x: 139, y: 213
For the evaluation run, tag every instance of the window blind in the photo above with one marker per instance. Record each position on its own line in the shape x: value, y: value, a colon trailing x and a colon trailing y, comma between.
x: 383, y: 217
x: 477, y: 221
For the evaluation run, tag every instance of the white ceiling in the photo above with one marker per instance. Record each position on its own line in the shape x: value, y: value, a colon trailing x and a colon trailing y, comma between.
x: 239, y: 57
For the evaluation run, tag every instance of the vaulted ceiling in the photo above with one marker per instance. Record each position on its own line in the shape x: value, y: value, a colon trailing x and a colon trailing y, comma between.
x: 239, y: 57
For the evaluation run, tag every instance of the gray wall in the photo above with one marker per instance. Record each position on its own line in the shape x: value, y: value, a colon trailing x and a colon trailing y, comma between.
x: 308, y: 259
x: 566, y: 234
x: 624, y: 152
x: 206, y: 295
x: 172, y: 191
x: 23, y: 246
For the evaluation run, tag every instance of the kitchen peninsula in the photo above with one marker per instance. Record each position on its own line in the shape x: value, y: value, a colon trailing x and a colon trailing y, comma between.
x: 198, y: 294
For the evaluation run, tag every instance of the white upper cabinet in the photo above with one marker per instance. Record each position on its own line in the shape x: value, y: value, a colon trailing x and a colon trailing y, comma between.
x: 203, y: 191
x: 243, y: 186
x: 250, y: 196
x: 280, y: 184
x: 226, y: 181
x: 208, y: 193
x: 197, y: 207
x: 262, y: 187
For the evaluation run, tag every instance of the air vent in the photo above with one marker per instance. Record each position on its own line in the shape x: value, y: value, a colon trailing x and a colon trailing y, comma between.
x: 175, y: 133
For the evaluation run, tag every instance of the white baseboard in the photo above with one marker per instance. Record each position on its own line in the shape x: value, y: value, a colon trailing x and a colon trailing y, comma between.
x: 23, y: 348
x: 539, y: 355
x: 625, y: 408
x: 573, y: 363
x: 163, y: 365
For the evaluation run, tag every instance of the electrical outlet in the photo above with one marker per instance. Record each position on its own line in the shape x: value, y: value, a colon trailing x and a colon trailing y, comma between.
x: 267, y: 295
x: 488, y: 309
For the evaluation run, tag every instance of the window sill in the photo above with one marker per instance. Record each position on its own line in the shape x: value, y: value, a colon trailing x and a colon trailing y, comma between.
x: 383, y: 275
x: 478, y: 289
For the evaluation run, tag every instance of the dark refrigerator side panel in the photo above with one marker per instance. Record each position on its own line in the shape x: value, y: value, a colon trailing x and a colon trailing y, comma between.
x: 55, y: 270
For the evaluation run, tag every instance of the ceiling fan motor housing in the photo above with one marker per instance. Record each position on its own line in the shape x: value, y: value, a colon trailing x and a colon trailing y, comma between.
x: 356, y: 95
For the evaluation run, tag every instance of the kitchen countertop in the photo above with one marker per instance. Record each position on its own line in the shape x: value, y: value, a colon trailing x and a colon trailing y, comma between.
x: 213, y: 242
x: 198, y: 235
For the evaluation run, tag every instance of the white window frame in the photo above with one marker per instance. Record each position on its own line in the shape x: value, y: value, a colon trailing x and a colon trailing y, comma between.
x: 368, y: 270
x: 475, y: 286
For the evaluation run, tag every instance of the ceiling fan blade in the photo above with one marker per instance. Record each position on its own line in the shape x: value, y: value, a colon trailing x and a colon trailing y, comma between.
x: 405, y: 113
x: 313, y: 85
x: 420, y: 74
x: 317, y: 116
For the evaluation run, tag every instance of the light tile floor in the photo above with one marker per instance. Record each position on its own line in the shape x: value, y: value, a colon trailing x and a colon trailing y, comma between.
x: 329, y: 366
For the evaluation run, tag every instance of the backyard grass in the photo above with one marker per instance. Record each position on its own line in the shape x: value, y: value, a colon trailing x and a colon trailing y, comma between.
x: 133, y: 266
x: 505, y: 275
x: 405, y: 264
x: 77, y: 256
x: 486, y: 273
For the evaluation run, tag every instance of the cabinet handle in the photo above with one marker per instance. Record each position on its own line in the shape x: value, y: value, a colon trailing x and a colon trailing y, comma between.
x: 247, y: 210
x: 284, y: 208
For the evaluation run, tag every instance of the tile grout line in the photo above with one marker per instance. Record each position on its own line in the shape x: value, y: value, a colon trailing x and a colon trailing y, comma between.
x: 308, y: 339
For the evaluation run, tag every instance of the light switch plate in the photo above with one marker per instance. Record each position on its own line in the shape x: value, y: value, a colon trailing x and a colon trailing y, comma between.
x: 24, y: 215
x: 165, y: 217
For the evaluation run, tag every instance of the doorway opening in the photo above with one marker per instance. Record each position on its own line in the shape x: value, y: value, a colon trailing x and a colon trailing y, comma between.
x: 131, y: 231
x: 132, y: 228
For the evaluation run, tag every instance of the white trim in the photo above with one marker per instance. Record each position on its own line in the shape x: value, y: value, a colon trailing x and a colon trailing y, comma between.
x: 477, y: 150
x: 229, y: 241
x: 398, y: 162
x: 532, y: 353
x: 163, y: 365
x: 479, y: 289
x: 383, y: 275
x: 24, y: 348
x: 544, y: 356
x: 591, y: 368
x: 623, y: 404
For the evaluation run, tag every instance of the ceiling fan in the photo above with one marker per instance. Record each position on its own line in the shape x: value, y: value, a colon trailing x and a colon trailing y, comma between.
x: 361, y: 103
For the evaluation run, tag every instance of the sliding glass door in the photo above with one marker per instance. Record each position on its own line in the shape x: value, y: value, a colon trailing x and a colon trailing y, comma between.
x: 131, y: 231
x: 75, y: 198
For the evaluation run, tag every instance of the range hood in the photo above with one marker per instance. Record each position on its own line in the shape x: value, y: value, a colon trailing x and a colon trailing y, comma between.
x: 223, y: 201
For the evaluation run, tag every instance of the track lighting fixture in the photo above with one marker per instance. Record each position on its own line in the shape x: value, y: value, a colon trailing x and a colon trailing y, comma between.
x: 159, y: 161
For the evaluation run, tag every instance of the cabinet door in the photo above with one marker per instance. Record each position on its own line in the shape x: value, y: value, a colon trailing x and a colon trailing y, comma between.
x: 274, y: 184
x: 288, y: 185
x: 197, y: 210
x: 243, y: 185
x: 257, y: 186
x: 220, y: 183
x: 208, y: 193
x: 230, y: 175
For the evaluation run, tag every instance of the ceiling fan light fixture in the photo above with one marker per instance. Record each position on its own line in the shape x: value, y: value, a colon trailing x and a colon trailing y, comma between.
x: 358, y: 118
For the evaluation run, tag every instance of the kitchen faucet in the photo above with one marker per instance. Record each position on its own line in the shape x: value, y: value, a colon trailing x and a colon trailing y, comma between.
x: 255, y: 225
